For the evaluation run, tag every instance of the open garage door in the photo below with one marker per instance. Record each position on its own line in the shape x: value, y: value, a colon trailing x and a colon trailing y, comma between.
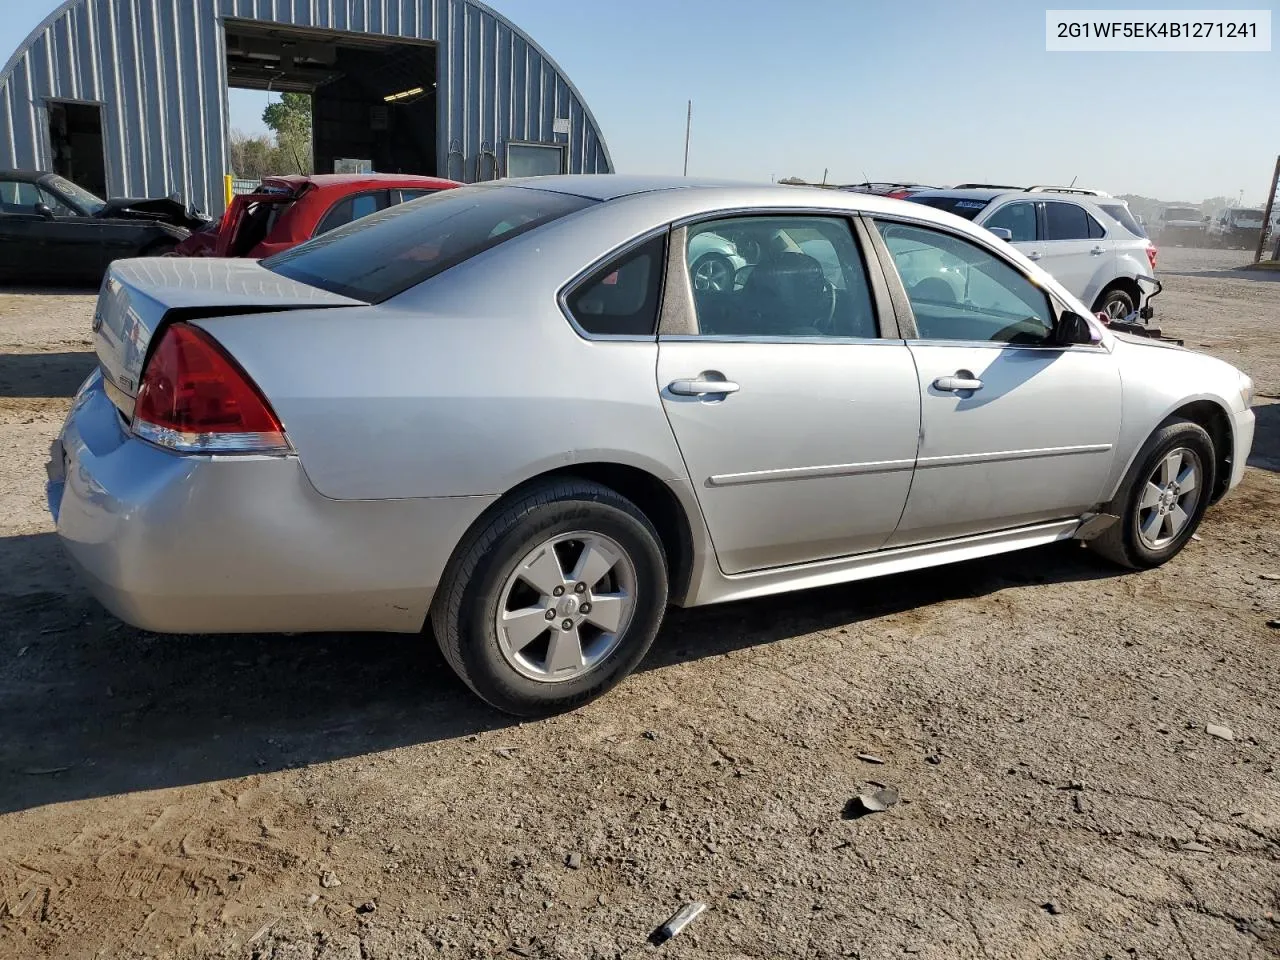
x: 373, y: 99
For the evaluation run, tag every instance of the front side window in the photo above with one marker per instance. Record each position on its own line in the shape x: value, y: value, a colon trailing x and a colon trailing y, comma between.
x: 1065, y: 221
x: 1018, y: 218
x: 388, y: 252
x: 56, y: 204
x: 783, y: 276
x: 621, y: 298
x: 959, y: 291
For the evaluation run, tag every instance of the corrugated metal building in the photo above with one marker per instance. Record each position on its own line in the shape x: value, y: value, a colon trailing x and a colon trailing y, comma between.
x: 445, y: 87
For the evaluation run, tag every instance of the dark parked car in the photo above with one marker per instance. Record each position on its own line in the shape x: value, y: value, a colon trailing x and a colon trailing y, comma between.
x: 53, y: 231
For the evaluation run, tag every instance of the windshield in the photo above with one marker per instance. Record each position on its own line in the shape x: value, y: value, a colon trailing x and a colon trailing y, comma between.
x: 386, y: 253
x: 78, y: 195
x: 1247, y: 214
x: 1181, y: 213
x: 967, y: 207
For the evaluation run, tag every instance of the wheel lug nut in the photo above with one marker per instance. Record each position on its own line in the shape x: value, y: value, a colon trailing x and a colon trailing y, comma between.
x: 567, y: 625
x: 579, y: 588
x: 558, y: 592
x: 585, y: 608
x: 551, y: 614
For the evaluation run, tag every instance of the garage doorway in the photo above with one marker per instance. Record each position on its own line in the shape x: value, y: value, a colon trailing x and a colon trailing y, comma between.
x: 373, y: 98
x: 75, y: 141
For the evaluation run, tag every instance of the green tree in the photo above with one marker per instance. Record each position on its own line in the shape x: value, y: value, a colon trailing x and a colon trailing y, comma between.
x: 290, y: 120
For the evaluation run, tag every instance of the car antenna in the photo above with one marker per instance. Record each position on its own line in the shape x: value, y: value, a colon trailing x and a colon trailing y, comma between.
x: 1073, y: 180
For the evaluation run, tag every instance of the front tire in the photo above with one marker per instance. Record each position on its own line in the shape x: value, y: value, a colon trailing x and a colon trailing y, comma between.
x: 1162, y: 499
x: 554, y: 600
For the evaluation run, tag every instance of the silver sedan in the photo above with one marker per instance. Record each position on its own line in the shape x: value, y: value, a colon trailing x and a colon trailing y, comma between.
x: 508, y: 414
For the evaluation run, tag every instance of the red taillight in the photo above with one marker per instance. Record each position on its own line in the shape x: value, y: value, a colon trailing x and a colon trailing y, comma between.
x: 196, y: 399
x: 1151, y: 254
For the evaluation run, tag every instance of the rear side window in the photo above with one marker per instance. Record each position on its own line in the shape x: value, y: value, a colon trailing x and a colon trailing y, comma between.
x: 621, y: 298
x: 388, y: 252
x: 1120, y: 213
x: 352, y: 208
x: 1066, y: 221
x: 967, y: 207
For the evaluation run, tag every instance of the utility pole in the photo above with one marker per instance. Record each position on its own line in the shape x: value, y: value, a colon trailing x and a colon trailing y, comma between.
x: 688, y: 125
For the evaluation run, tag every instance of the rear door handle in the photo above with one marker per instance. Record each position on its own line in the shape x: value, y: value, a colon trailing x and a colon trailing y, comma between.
x: 1097, y: 252
x: 958, y: 382
x: 1034, y: 255
x: 702, y: 386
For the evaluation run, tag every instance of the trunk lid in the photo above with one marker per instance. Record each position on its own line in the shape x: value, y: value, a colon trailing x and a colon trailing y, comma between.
x: 139, y: 296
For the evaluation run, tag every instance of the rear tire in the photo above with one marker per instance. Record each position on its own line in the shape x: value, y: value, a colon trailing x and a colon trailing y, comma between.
x: 1162, y: 499
x: 552, y: 551
x: 1116, y: 303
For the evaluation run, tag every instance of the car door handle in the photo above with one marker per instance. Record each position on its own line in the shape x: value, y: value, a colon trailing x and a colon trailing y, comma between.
x: 1097, y: 252
x: 702, y: 386
x: 963, y: 380
x: 1034, y: 255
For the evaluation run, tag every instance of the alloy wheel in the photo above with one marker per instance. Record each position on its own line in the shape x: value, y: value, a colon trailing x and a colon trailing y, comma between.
x: 713, y: 274
x: 1168, y: 498
x: 566, y: 606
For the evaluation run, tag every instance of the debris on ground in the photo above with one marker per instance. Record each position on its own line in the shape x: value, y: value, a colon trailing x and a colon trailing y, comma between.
x: 573, y: 861
x: 870, y: 758
x: 1194, y: 847
x: 369, y: 906
x: 677, y: 922
x: 329, y: 879
x: 875, y: 802
x: 1052, y: 907
x: 1222, y: 733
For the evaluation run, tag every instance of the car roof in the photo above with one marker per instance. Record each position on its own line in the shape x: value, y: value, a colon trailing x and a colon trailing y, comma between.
x: 612, y: 186
x: 30, y: 176
x: 358, y: 179
x: 971, y: 194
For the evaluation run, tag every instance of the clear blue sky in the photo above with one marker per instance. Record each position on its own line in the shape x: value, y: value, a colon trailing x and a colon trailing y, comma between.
x: 936, y: 91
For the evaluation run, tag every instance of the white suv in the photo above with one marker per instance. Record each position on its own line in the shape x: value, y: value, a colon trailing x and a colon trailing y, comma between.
x: 1088, y: 241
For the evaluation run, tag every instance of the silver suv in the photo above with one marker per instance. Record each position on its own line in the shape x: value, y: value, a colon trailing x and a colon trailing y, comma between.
x: 1087, y: 240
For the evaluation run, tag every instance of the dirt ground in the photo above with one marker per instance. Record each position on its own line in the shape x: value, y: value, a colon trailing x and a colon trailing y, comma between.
x: 327, y: 797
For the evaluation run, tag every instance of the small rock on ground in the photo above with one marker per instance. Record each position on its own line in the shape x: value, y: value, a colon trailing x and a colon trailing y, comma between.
x: 1222, y: 733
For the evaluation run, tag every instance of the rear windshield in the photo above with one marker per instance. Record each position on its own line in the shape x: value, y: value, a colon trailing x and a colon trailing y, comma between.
x: 1182, y: 213
x: 388, y: 252
x: 1120, y: 213
x: 1247, y: 214
x: 967, y: 207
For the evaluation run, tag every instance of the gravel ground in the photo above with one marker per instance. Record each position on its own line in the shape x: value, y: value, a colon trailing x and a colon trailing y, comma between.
x: 1042, y: 717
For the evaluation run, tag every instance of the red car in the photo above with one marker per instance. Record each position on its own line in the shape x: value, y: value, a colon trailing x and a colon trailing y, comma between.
x: 284, y: 211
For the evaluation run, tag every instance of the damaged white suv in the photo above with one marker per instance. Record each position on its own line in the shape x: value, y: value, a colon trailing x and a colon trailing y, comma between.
x: 1088, y: 241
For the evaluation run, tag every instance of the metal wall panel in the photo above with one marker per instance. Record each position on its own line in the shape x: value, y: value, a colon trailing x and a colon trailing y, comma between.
x: 158, y: 69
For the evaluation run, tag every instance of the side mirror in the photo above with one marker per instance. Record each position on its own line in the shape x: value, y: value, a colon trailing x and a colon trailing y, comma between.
x: 1002, y: 232
x: 42, y: 209
x: 1072, y: 328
